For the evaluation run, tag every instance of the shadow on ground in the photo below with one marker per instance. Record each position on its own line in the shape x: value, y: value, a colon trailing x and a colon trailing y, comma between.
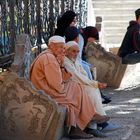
x: 125, y: 112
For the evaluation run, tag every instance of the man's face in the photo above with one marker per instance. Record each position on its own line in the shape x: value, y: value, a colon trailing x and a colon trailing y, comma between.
x: 58, y: 49
x: 72, y: 53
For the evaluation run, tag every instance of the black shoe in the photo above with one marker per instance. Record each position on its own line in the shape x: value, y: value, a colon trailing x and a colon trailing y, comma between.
x: 106, y: 97
x: 106, y: 101
x: 103, y: 125
x: 95, y: 132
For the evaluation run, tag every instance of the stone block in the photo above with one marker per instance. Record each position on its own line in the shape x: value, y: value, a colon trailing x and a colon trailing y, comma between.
x: 131, y: 77
x: 110, y: 68
x: 114, y: 50
x: 23, y: 56
x: 26, y: 113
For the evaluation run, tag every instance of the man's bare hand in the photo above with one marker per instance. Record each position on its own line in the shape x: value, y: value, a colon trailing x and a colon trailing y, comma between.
x: 102, y: 85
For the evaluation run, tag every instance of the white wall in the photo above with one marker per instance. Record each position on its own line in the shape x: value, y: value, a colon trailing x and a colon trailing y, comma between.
x: 91, y: 21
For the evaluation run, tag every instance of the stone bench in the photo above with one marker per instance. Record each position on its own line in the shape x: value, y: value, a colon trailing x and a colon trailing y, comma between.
x: 28, y: 114
x: 110, y: 68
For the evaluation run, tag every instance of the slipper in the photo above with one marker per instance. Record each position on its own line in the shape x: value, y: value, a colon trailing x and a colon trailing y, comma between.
x: 110, y: 127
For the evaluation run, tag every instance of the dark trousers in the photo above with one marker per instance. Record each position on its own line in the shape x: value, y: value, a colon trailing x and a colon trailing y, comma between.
x: 131, y: 58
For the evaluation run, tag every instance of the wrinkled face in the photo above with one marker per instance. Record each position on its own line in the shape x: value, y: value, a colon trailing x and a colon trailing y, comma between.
x: 58, y: 49
x: 74, y: 22
x: 72, y: 53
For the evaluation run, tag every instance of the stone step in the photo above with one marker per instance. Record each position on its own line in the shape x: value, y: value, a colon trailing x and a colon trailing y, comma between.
x: 123, y: 17
x: 114, y: 30
x: 115, y: 1
x: 115, y: 15
x: 115, y: 24
x: 112, y: 4
x: 116, y: 35
x: 114, y: 39
x: 111, y: 11
x: 114, y: 45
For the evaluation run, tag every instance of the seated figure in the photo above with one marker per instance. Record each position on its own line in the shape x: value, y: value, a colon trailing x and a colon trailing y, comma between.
x: 46, y: 73
x: 88, y: 33
x: 79, y: 75
x: 91, y: 35
x: 130, y: 47
x: 91, y: 87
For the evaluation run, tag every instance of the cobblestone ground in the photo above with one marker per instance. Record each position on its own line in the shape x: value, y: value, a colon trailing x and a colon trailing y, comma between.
x: 124, y: 111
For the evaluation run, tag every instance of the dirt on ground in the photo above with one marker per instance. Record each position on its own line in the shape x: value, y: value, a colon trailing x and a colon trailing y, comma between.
x: 124, y: 111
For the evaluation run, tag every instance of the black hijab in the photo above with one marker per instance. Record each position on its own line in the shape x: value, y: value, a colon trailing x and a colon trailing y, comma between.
x: 64, y: 21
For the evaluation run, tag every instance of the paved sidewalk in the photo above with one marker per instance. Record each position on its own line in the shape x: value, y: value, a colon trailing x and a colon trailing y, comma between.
x: 124, y: 111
